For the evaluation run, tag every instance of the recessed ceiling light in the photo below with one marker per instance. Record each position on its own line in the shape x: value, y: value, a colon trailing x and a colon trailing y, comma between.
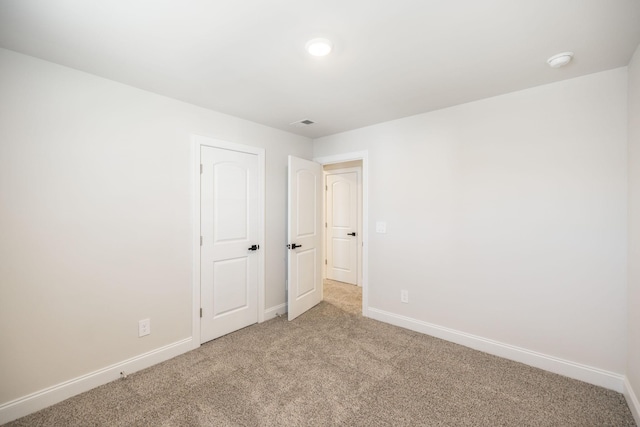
x: 319, y: 47
x: 559, y: 60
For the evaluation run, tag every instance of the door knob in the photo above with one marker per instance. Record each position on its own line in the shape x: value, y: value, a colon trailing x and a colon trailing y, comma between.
x: 351, y: 234
x: 254, y: 247
x: 293, y: 246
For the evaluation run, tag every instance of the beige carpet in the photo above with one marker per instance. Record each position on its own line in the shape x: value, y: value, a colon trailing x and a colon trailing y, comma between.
x: 331, y: 366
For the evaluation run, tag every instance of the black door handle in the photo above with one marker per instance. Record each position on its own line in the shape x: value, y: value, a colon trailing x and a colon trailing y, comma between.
x: 254, y: 247
x: 293, y: 246
x: 351, y: 234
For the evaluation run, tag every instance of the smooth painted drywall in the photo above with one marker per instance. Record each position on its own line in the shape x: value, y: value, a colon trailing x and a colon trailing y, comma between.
x: 507, y: 217
x: 96, y: 222
x: 633, y: 349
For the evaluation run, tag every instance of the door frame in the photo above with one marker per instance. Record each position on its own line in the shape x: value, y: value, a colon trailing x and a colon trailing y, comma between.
x: 198, y: 141
x: 364, y: 157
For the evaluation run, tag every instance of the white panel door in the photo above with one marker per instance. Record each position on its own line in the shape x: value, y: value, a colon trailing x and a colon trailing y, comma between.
x: 304, y: 236
x: 229, y: 230
x: 342, y: 227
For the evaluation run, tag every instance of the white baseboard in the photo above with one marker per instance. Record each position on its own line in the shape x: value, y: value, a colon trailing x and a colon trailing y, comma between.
x: 553, y: 364
x: 41, y: 399
x: 632, y: 400
x: 273, y: 312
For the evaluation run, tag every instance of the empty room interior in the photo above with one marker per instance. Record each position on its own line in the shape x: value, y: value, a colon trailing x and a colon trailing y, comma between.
x: 320, y: 213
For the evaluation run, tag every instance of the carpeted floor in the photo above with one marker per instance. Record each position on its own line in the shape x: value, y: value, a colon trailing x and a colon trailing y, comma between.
x: 331, y: 366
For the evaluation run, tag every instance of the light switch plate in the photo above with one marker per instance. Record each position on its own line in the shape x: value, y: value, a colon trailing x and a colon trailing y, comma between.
x: 381, y: 227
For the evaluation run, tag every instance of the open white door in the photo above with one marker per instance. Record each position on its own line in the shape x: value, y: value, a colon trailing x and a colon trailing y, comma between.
x: 304, y: 236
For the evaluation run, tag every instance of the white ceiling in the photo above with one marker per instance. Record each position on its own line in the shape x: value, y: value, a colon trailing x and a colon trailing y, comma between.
x: 391, y: 59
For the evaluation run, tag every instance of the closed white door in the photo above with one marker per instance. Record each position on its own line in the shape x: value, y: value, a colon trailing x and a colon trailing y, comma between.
x: 304, y: 236
x: 229, y: 241
x: 342, y: 227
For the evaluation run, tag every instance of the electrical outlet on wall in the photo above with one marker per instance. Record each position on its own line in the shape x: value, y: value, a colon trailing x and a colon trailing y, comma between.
x: 404, y: 296
x: 144, y: 327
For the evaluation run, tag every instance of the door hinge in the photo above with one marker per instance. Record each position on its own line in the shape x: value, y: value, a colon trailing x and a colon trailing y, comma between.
x: 200, y: 240
x: 326, y: 187
x: 200, y: 167
x: 325, y: 262
x: 200, y: 311
x: 325, y: 225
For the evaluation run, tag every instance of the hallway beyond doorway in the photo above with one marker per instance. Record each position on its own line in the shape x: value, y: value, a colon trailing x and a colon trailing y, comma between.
x: 345, y: 296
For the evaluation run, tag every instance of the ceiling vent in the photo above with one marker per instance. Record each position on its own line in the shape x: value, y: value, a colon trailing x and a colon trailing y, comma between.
x: 302, y: 123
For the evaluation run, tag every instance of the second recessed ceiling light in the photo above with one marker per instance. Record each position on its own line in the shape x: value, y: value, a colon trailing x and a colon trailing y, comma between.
x: 560, y: 60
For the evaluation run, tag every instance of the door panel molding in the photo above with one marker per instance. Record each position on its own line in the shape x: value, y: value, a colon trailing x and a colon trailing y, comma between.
x: 198, y: 141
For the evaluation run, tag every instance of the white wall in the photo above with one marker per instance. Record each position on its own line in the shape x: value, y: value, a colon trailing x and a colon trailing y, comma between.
x: 633, y: 351
x: 95, y: 219
x: 506, y: 220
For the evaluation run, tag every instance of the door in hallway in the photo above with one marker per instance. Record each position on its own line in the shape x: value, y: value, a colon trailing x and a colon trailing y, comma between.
x: 342, y: 227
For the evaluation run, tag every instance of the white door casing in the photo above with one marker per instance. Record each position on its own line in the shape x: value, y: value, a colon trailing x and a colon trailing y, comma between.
x: 304, y: 236
x: 342, y: 226
x: 229, y: 224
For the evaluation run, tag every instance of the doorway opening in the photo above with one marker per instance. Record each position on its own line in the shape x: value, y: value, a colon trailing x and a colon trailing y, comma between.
x: 346, y: 219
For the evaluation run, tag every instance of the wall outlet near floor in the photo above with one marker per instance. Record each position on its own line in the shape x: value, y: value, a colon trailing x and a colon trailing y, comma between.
x: 144, y: 327
x: 404, y: 296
